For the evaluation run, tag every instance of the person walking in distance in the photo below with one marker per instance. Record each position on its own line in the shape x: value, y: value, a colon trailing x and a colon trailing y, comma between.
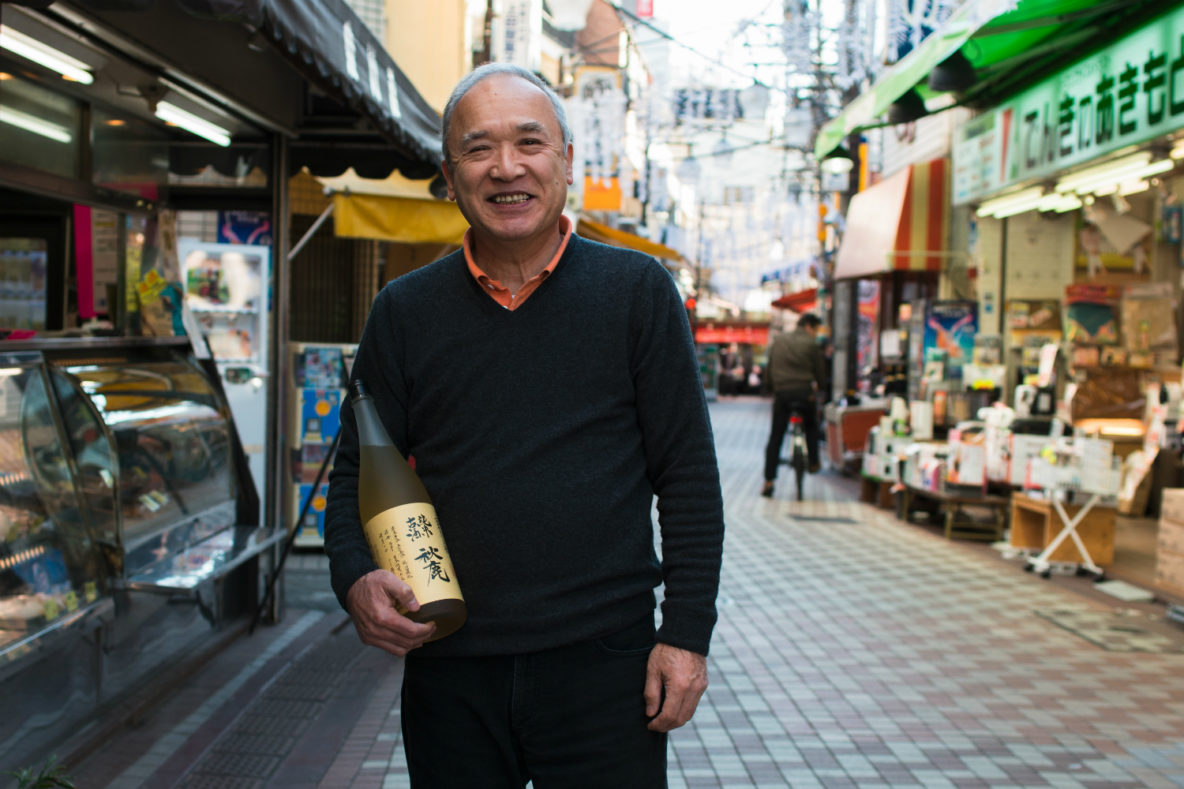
x: 796, y: 373
x: 547, y: 387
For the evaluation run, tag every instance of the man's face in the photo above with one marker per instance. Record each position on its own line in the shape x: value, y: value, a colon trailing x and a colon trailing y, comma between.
x: 510, y: 169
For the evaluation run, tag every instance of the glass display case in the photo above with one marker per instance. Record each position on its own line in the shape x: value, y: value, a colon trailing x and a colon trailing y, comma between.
x: 117, y: 472
x: 152, y: 445
x: 120, y: 546
x: 50, y: 569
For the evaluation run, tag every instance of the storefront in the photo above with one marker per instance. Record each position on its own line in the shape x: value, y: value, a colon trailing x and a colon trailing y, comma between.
x: 888, y: 267
x: 1062, y: 420
x: 145, y: 156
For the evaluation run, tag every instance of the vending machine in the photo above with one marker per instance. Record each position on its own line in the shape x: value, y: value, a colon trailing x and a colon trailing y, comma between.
x: 226, y: 290
x: 319, y: 376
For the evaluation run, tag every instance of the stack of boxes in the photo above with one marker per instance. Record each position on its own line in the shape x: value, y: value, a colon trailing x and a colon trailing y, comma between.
x: 1169, y: 554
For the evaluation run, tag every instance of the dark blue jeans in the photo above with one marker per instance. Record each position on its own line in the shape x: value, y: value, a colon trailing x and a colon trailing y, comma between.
x: 564, y: 718
x: 786, y: 403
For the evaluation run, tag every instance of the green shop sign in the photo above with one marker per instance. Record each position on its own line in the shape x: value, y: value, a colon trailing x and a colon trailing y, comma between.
x: 1128, y: 93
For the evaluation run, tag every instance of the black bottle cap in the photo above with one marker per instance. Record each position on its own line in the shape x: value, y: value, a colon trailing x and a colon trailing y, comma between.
x: 357, y: 390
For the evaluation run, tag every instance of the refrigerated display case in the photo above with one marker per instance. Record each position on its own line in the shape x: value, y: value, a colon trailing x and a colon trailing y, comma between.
x: 51, y: 574
x: 226, y: 289
x: 120, y: 535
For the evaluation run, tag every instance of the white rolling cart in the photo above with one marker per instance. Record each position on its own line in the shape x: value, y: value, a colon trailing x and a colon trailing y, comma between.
x: 1085, y: 468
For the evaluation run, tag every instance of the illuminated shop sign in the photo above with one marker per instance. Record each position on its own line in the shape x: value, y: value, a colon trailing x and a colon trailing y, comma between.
x: 1126, y: 94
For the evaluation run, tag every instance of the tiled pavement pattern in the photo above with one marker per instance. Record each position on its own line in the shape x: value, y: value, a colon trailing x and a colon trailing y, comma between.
x: 852, y: 651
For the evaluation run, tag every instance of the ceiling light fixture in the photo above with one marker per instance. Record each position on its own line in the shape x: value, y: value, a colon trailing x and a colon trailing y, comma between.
x: 44, y: 55
x: 31, y: 123
x: 953, y: 74
x: 1114, y: 169
x: 1126, y: 175
x: 1014, y: 203
x: 907, y: 108
x: 171, y: 113
x: 837, y: 161
x: 1058, y: 202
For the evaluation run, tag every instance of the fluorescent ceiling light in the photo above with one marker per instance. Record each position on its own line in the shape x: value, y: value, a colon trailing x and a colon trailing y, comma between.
x: 1178, y: 150
x: 1111, y: 170
x: 1054, y: 201
x: 31, y: 123
x: 31, y: 49
x: 1126, y: 175
x: 171, y: 113
x: 1018, y: 208
x: 1024, y: 199
x: 1134, y: 187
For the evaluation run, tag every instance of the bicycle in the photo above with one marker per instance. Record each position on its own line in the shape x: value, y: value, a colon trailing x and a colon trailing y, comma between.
x: 798, y: 452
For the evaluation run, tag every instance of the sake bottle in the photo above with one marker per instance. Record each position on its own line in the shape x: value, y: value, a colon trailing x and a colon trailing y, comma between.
x: 400, y: 522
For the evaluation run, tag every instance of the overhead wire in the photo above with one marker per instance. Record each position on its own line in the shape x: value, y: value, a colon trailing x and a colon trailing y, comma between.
x: 669, y: 37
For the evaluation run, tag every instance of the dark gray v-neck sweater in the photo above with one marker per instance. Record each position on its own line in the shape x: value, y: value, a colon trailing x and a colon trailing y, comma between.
x: 542, y: 435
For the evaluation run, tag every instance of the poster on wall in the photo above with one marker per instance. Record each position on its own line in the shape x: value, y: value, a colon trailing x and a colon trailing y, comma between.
x: 104, y: 241
x: 1107, y: 240
x: 245, y: 227
x: 950, y: 327
x: 867, y: 338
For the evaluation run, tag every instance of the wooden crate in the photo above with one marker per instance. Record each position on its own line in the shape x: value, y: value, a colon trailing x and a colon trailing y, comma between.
x: 1035, y: 524
x: 876, y: 491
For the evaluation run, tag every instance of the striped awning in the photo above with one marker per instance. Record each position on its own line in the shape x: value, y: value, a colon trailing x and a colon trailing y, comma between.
x: 900, y: 224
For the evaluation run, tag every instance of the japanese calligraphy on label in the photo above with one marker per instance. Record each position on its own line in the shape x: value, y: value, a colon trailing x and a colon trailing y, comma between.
x: 1126, y: 94
x: 407, y: 541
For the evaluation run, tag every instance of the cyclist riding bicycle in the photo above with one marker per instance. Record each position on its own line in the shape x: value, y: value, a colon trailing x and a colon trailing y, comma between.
x: 796, y: 372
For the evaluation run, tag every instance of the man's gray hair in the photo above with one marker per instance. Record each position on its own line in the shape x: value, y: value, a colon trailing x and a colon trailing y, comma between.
x: 491, y: 69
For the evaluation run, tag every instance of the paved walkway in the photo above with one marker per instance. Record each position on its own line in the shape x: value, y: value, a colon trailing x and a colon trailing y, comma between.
x: 853, y: 650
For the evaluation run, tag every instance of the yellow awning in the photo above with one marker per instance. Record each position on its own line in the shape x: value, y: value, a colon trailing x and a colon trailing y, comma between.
x: 402, y: 219
x: 393, y: 209
x: 620, y: 238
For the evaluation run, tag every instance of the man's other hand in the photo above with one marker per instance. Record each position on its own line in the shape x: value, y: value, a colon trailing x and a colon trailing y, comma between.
x: 683, y: 675
x: 373, y: 601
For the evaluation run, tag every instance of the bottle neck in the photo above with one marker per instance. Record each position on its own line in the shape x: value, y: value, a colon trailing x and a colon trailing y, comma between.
x: 370, y: 429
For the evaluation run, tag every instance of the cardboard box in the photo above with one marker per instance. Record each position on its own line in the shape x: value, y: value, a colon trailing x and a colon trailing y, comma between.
x: 1171, y: 537
x: 967, y: 464
x: 920, y: 460
x: 1023, y: 447
x: 1172, y: 506
x: 1169, y: 572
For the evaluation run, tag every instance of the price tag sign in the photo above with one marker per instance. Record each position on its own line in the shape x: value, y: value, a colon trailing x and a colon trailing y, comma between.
x: 71, y: 601
x: 90, y: 591
x: 50, y: 609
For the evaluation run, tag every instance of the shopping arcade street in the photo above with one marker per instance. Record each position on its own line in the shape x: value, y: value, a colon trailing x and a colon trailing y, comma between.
x: 853, y: 650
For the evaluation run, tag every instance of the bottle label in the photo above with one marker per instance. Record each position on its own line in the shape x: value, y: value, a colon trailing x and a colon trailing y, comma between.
x: 407, y: 541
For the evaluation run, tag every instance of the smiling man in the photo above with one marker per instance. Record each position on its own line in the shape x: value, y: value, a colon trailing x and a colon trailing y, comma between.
x: 548, y: 389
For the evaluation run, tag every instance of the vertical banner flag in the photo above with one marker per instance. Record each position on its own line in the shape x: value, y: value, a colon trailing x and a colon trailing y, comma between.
x: 517, y: 33
x: 598, y: 121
